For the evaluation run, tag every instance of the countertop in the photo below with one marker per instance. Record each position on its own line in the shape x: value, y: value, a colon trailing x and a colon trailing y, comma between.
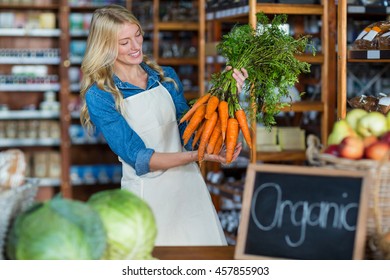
x: 194, y: 252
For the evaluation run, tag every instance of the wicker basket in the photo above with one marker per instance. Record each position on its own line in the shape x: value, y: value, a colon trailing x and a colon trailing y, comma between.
x: 378, y: 220
x: 13, y: 202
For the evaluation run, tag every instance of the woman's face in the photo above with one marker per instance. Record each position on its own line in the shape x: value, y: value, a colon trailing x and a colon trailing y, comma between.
x: 130, y: 41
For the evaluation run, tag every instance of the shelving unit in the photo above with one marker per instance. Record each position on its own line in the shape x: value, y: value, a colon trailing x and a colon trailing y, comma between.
x: 65, y: 42
x: 346, y: 59
x: 178, y: 41
x: 31, y: 65
x: 325, y: 105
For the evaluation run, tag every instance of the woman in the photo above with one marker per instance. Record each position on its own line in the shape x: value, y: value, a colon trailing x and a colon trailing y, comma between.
x: 136, y: 104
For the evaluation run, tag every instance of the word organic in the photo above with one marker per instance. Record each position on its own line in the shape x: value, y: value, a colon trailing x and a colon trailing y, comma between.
x: 299, y: 214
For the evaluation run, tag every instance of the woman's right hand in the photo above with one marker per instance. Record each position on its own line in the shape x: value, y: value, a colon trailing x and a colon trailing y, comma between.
x: 240, y: 75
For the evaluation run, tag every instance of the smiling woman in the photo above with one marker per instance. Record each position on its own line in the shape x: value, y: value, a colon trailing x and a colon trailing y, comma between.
x: 137, y: 105
x: 130, y: 55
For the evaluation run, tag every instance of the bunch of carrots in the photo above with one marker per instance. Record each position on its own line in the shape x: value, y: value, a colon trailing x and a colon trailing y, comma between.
x: 214, y: 124
x: 268, y: 53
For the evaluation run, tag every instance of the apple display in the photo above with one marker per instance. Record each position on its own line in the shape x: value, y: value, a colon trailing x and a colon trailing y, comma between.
x: 354, y: 115
x: 333, y: 149
x: 377, y: 150
x: 369, y: 140
x: 340, y: 130
x: 385, y: 137
x: 352, y: 147
x: 373, y: 123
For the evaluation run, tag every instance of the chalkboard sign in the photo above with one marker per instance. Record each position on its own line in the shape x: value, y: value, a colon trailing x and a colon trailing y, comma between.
x: 297, y: 212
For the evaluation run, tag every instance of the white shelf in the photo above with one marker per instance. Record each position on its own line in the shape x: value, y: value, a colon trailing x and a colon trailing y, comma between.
x: 16, y: 32
x: 12, y: 142
x: 27, y: 114
x: 29, y: 87
x: 75, y: 87
x: 30, y: 60
x: 48, y: 182
x: 76, y: 59
x: 79, y: 33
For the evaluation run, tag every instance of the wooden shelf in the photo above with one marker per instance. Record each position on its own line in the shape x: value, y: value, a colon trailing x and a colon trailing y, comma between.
x: 304, y: 106
x: 240, y: 12
x: 189, y: 95
x: 178, y: 61
x: 369, y: 55
x: 281, y: 156
x: 291, y: 9
x: 312, y: 59
x: 177, y: 26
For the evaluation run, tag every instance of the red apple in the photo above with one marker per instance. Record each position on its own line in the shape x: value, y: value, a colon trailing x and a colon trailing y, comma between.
x: 332, y: 150
x: 352, y: 147
x: 377, y: 151
x: 369, y: 140
x: 385, y: 137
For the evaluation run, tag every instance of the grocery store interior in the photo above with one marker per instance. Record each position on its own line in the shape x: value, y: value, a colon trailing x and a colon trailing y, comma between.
x: 42, y: 43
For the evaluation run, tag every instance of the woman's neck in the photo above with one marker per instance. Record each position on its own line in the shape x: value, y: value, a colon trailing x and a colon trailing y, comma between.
x: 134, y: 75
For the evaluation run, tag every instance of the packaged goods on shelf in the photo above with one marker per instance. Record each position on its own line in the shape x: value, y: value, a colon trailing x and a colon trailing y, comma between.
x: 380, y: 103
x: 12, y: 168
x: 267, y: 139
x: 79, y: 135
x: 266, y: 136
x: 95, y: 174
x: 291, y: 138
x: 371, y: 35
x: 45, y: 164
x: 280, y: 138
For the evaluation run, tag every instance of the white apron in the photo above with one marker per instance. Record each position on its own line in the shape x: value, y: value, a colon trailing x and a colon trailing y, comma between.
x: 179, y: 198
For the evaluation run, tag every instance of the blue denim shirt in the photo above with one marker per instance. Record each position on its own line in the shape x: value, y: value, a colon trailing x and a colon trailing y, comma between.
x: 121, y: 138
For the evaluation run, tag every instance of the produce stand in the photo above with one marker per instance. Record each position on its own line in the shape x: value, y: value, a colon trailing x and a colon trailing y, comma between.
x: 378, y: 220
x: 194, y: 252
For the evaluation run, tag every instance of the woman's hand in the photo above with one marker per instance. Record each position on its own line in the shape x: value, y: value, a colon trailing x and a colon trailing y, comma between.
x: 240, y: 76
x: 221, y: 157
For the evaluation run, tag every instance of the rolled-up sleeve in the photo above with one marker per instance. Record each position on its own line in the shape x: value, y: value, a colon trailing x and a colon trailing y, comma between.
x: 120, y: 137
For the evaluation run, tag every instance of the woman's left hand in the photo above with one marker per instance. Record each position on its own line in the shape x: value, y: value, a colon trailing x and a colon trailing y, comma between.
x: 221, y: 157
x: 240, y: 76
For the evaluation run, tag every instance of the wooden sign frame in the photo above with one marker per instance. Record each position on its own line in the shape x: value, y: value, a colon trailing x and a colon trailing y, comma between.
x: 280, y: 170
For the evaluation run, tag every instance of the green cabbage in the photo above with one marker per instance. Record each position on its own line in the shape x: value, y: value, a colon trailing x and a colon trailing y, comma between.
x: 129, y: 223
x: 58, y: 229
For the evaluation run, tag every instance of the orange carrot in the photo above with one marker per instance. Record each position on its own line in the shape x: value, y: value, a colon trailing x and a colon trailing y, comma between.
x: 196, y: 119
x: 198, y: 133
x: 223, y: 113
x: 214, y: 137
x: 218, y: 145
x: 241, y: 118
x: 207, y: 131
x: 202, y: 100
x: 231, y: 138
x: 212, y: 105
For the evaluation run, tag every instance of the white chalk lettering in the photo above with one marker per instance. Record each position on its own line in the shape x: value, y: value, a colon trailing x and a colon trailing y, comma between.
x: 302, y: 214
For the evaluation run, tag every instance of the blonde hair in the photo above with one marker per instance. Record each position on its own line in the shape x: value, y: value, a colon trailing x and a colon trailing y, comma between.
x: 101, y: 53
